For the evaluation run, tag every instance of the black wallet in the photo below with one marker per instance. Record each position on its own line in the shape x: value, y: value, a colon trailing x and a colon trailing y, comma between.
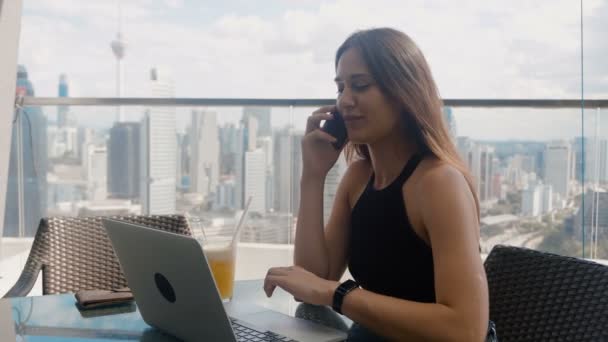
x: 94, y: 299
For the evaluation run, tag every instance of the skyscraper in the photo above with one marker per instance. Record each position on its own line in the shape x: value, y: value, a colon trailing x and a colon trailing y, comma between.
x: 97, y: 177
x: 158, y: 150
x: 63, y: 112
x: 33, y: 126
x: 205, y: 152
x: 480, y: 161
x: 182, y: 162
x: 287, y: 162
x: 557, y: 157
x: 536, y: 199
x: 123, y: 160
x: 465, y: 149
x: 595, y: 161
x: 228, y: 147
x: 450, y: 122
x: 247, y: 140
x: 262, y: 114
x: 225, y: 198
x: 486, y: 171
x: 265, y: 144
x: 255, y: 180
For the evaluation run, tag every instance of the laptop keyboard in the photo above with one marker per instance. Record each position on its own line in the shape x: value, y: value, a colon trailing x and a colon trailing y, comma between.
x: 247, y: 334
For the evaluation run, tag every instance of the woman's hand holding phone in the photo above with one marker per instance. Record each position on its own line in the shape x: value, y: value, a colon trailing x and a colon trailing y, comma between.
x: 318, y: 152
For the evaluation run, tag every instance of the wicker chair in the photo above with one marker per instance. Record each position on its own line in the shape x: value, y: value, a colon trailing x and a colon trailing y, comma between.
x: 537, y: 296
x: 76, y: 254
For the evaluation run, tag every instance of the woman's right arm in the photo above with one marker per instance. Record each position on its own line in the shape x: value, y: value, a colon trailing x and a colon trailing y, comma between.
x: 312, y: 245
x: 322, y: 248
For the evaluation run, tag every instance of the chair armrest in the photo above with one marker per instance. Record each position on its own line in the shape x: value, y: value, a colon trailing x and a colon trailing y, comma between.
x: 24, y: 284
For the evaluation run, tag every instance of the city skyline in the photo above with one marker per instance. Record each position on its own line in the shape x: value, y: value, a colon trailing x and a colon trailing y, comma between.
x: 528, y: 181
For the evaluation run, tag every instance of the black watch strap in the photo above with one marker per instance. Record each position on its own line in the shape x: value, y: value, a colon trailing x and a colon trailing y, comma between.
x: 341, y: 292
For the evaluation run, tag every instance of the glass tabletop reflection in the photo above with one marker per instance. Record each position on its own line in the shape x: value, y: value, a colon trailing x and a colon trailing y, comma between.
x: 55, y: 317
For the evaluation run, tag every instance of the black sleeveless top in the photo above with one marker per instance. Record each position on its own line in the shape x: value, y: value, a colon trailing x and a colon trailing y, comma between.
x: 386, y: 256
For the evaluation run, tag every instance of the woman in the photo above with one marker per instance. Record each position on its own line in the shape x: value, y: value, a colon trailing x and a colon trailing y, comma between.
x: 406, y: 216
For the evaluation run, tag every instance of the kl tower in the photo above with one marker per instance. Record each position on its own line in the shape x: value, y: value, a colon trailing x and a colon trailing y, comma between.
x: 118, y: 47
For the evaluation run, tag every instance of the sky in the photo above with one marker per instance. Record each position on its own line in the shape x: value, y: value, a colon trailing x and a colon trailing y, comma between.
x: 285, y: 49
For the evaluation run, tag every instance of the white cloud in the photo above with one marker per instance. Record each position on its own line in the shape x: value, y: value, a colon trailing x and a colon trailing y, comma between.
x: 476, y: 49
x: 174, y: 3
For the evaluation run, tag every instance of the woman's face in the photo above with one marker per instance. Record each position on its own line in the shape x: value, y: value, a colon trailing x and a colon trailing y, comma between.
x: 368, y: 113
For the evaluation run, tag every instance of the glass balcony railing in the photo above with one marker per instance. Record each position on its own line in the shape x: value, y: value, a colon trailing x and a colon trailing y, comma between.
x: 540, y: 166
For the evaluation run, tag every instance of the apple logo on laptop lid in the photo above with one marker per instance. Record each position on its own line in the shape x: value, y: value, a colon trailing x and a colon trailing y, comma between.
x: 164, y: 287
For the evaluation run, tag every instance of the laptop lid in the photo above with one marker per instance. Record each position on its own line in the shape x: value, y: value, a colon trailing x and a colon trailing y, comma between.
x: 173, y: 290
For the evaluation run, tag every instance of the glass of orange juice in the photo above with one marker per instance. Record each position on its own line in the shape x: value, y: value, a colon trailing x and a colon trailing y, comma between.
x: 221, y: 257
x: 219, y: 246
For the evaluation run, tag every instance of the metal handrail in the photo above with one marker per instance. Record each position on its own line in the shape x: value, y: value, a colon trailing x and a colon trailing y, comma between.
x: 226, y: 102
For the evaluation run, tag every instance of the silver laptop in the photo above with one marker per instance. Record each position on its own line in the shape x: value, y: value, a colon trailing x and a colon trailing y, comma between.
x: 175, y: 291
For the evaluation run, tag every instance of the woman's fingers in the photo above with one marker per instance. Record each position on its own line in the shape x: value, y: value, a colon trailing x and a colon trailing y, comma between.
x: 273, y: 277
x: 271, y: 282
x: 323, y: 113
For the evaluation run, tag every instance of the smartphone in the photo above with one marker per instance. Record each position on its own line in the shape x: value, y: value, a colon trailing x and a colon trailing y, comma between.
x: 336, y: 128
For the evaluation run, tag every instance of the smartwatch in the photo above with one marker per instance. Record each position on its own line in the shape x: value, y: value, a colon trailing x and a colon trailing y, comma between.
x: 342, y: 290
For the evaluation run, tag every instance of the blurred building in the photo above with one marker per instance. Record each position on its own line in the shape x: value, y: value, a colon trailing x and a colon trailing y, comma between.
x: 262, y: 115
x: 158, y: 146
x: 287, y: 170
x: 33, y: 143
x: 205, y: 152
x: 558, y: 159
x: 124, y: 149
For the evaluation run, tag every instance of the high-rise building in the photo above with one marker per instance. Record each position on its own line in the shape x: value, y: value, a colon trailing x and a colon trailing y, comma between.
x: 158, y: 150
x: 228, y: 136
x: 450, y: 121
x: 558, y: 159
x: 595, y: 159
x: 287, y: 162
x: 557, y: 156
x: 547, y: 198
x: 33, y: 127
x: 97, y: 177
x: 86, y: 136
x: 255, y: 180
x: 537, y: 199
x: 262, y: 114
x: 205, y: 152
x: 182, y: 163
x: 123, y: 160
x: 530, y: 202
x: 481, y: 162
x: 225, y: 198
x: 486, y: 171
x: 62, y: 142
x: 247, y: 140
x: 63, y: 112
x: 465, y: 149
x: 265, y: 144
x: 63, y: 137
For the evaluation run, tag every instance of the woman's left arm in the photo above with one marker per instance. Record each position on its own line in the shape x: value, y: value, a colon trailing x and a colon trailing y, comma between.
x: 461, y: 310
x: 460, y: 313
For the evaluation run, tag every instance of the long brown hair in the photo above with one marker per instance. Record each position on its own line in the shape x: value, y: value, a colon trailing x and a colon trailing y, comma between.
x: 403, y: 75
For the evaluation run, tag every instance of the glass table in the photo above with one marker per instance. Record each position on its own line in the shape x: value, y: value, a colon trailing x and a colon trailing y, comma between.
x: 54, y: 318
